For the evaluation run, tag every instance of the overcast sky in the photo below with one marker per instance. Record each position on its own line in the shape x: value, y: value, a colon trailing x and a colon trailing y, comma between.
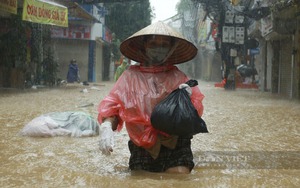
x: 164, y: 9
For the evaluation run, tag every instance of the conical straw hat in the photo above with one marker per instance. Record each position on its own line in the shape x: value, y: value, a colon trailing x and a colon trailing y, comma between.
x: 133, y: 47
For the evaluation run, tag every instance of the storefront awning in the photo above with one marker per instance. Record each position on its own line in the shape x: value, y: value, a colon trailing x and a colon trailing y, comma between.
x: 76, y: 11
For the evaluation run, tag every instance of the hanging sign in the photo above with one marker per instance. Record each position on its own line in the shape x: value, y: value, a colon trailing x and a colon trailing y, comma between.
x: 74, y: 31
x: 45, y: 13
x: 254, y: 51
x: 8, y: 6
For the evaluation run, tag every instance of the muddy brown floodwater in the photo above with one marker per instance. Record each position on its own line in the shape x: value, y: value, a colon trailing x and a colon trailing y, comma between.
x: 253, y: 142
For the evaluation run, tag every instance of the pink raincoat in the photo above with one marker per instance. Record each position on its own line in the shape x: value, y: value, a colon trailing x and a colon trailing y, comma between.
x: 136, y: 93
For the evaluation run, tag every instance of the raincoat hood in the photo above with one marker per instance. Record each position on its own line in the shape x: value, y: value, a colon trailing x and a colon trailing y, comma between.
x: 133, y: 47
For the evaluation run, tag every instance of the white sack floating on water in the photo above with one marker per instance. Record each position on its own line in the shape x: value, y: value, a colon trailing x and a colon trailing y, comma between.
x: 74, y: 124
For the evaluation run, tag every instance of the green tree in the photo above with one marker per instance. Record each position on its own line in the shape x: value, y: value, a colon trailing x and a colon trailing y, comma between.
x: 126, y: 18
x: 183, y: 5
x: 40, y: 50
x: 50, y: 68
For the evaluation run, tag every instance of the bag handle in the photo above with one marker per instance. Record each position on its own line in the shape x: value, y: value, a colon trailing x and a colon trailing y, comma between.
x: 192, y: 83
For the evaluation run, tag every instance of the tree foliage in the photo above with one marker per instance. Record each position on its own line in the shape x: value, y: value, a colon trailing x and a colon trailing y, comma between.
x: 125, y: 19
x: 50, y: 67
x: 183, y: 5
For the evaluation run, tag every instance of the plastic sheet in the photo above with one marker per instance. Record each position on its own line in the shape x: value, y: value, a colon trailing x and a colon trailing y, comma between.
x: 136, y: 93
x: 74, y: 124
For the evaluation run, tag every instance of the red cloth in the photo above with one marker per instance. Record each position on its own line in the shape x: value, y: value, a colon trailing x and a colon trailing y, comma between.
x: 136, y: 93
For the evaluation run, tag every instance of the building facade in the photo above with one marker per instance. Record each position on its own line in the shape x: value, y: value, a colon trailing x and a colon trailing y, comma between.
x: 278, y: 61
x: 26, y: 55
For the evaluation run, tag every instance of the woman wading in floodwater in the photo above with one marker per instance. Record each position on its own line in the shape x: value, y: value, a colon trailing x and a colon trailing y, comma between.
x: 157, y: 48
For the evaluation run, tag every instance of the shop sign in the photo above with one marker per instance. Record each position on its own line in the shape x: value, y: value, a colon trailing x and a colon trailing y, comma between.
x: 107, y: 35
x: 254, y: 51
x: 266, y: 25
x: 8, y: 6
x: 72, y: 32
x: 45, y: 13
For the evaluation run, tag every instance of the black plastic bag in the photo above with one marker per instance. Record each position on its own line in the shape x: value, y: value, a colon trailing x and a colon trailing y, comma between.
x: 246, y: 70
x: 176, y: 114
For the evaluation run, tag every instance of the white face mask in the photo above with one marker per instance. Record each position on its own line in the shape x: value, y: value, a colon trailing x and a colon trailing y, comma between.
x: 157, y: 55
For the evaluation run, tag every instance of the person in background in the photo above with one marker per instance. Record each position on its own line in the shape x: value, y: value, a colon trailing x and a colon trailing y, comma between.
x: 73, y: 72
x: 157, y: 48
x: 121, y: 68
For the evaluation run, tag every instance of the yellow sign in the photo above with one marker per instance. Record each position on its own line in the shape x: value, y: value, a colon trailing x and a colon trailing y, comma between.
x: 45, y: 13
x: 235, y: 2
x: 8, y: 6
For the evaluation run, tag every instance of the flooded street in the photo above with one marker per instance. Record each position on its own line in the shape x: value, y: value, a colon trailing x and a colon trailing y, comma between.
x: 253, y: 142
